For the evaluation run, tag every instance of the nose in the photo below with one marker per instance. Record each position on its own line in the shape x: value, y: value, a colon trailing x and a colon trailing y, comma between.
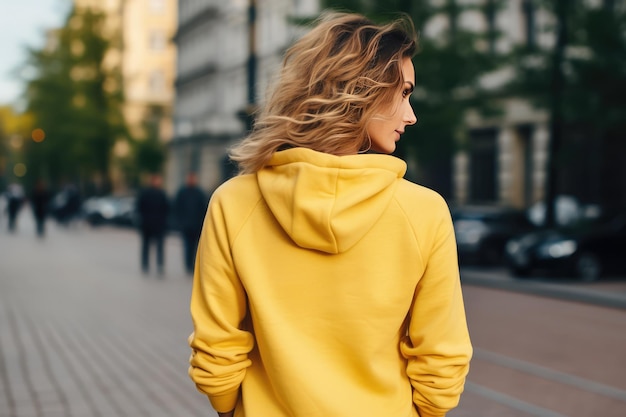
x: 409, y: 116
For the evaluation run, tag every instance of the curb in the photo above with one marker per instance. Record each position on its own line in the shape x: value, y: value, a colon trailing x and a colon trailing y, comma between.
x: 569, y: 293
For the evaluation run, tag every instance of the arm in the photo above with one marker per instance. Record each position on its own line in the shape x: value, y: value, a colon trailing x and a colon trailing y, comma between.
x: 218, y: 305
x: 438, y: 348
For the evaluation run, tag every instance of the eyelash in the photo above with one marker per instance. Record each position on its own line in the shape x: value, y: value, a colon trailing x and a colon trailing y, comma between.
x: 405, y: 93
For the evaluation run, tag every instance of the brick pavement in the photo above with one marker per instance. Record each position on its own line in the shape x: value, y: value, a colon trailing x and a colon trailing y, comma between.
x: 83, y: 333
x: 607, y: 292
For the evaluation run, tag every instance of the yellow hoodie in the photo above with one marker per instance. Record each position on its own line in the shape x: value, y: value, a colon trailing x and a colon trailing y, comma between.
x: 328, y: 286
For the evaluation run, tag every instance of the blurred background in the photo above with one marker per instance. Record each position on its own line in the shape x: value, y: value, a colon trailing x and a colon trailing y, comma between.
x: 519, y: 102
x: 522, y: 114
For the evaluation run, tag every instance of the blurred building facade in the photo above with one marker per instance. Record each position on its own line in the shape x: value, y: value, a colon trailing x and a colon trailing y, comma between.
x: 141, y: 33
x: 504, y: 160
x: 228, y: 52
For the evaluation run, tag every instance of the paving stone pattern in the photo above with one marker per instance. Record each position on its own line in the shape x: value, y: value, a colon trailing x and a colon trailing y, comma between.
x: 83, y: 333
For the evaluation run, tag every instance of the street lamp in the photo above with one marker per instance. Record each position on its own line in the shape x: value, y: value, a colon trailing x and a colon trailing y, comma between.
x: 247, y: 113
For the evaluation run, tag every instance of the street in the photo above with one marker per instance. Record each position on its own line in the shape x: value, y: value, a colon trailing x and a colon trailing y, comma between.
x: 83, y: 333
x: 537, y: 356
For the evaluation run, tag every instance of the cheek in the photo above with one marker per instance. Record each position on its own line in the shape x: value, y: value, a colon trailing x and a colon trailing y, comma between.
x: 374, y: 129
x: 381, y: 135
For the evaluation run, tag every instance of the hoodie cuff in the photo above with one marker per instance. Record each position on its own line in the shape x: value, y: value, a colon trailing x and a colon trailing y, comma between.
x: 224, y: 403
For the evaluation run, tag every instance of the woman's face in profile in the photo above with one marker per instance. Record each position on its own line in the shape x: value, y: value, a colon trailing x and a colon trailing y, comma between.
x: 385, y: 130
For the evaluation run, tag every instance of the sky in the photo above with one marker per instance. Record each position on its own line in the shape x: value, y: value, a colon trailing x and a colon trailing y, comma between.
x: 23, y: 23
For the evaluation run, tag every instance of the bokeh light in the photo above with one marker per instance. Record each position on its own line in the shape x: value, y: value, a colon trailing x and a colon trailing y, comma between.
x: 16, y: 141
x: 19, y: 170
x: 38, y: 135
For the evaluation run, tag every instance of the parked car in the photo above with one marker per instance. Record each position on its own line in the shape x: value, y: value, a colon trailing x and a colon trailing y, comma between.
x: 110, y: 209
x: 482, y: 231
x: 586, y: 251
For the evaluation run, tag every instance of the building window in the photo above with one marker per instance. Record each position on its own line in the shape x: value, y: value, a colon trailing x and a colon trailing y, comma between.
x: 525, y: 134
x: 157, y: 82
x: 483, y: 162
x: 157, y: 6
x: 157, y: 40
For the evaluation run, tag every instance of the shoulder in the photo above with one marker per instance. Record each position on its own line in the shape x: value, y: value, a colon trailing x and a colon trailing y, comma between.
x: 417, y: 198
x: 199, y: 192
x: 233, y: 202
x: 242, y: 190
x: 426, y: 212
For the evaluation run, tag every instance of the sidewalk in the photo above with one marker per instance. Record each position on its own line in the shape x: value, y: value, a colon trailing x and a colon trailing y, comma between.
x: 83, y: 333
x: 609, y: 292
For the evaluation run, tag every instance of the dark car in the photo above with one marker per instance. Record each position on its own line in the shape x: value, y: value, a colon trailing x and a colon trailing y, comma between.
x: 482, y: 231
x: 587, y: 251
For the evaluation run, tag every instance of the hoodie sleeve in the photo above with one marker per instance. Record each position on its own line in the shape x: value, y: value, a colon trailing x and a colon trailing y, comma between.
x: 219, y: 346
x: 437, y: 346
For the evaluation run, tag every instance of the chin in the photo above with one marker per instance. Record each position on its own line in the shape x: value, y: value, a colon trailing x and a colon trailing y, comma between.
x: 388, y: 149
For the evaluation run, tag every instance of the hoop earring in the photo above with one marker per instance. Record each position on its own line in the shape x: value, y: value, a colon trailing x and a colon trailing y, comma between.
x: 369, y: 145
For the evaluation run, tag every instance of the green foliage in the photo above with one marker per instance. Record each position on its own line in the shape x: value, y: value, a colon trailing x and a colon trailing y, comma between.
x: 150, y: 151
x: 76, y: 100
x: 587, y: 105
x: 15, y: 129
x: 150, y: 155
x: 593, y: 67
x: 597, y: 82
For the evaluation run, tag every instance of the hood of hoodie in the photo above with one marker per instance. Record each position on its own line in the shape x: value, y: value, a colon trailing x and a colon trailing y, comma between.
x: 327, y: 202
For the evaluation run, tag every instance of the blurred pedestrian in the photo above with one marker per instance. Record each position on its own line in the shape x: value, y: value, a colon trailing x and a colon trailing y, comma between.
x: 190, y: 207
x: 152, y: 209
x: 39, y: 200
x: 15, y: 200
x: 326, y: 284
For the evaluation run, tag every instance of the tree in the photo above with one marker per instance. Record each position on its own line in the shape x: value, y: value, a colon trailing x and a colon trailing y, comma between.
x: 150, y: 151
x: 579, y: 78
x: 15, y: 130
x: 76, y: 100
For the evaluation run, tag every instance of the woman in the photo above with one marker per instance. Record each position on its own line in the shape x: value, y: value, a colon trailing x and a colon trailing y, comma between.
x: 326, y: 284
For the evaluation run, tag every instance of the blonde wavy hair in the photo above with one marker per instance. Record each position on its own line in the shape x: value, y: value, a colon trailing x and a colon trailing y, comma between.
x: 333, y: 81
